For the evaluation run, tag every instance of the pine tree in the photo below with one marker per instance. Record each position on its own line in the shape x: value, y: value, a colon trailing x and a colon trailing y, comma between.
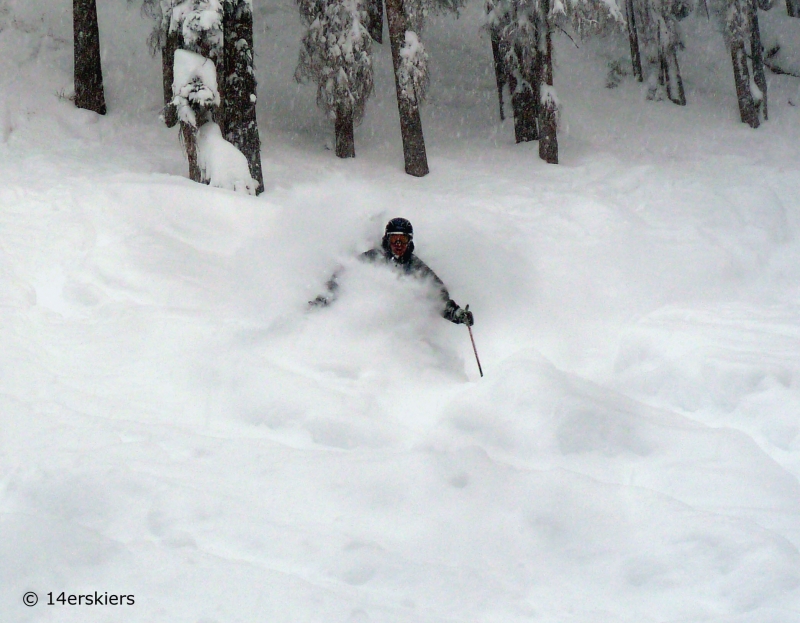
x: 199, y: 24
x: 548, y: 101
x: 524, y: 30
x: 172, y: 42
x: 757, y: 51
x: 517, y: 28
x: 633, y: 38
x: 740, y: 21
x: 158, y: 43
x: 336, y: 54
x: 89, y: 92
x: 499, y: 66
x: 222, y: 31
x: 196, y: 99
x: 239, y: 124
x: 411, y: 80
x: 406, y: 20
x: 166, y: 41
x: 652, y: 29
x: 375, y: 20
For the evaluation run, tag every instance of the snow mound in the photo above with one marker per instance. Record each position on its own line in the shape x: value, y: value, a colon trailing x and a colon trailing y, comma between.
x: 221, y: 163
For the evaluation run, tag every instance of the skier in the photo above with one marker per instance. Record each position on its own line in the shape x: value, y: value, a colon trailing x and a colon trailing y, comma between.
x: 397, y: 250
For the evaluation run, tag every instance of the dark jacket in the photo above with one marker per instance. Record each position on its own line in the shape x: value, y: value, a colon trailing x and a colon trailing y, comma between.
x: 411, y: 265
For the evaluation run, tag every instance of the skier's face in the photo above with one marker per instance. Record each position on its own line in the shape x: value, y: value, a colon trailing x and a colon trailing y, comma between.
x: 398, y: 243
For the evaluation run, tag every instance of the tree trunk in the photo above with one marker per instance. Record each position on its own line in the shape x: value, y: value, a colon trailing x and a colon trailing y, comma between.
x: 375, y: 23
x: 189, y: 140
x: 741, y: 75
x: 345, y: 142
x: 633, y: 37
x: 669, y: 71
x: 168, y: 71
x: 548, y: 125
x: 416, y: 160
x: 88, y: 71
x: 239, y: 124
x: 525, y: 98
x: 499, y: 68
x: 524, y: 104
x: 757, y: 56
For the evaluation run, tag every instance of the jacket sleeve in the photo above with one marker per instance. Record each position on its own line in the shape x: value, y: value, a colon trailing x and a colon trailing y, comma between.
x: 331, y: 286
x: 449, y: 306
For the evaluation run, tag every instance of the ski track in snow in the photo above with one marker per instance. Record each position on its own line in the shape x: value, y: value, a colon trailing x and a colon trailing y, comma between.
x: 177, y: 426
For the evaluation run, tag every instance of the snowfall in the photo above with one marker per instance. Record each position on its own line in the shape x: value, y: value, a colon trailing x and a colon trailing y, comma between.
x: 176, y: 425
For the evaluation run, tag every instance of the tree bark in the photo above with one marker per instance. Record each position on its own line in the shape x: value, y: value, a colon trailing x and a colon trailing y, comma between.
x: 168, y: 71
x: 416, y: 159
x: 633, y: 37
x: 375, y: 23
x: 345, y: 142
x: 526, y: 111
x: 239, y: 125
x: 525, y: 98
x: 189, y: 140
x: 548, y: 125
x: 757, y: 56
x: 88, y: 71
x: 741, y: 75
x: 499, y: 68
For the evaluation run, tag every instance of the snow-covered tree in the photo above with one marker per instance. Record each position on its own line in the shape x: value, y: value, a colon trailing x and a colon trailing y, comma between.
x: 375, y: 20
x: 200, y: 25
x: 633, y: 38
x: 221, y: 31
x: 239, y: 124
x: 89, y: 93
x: 655, y: 41
x: 523, y: 30
x: 548, y: 99
x: 739, y: 22
x: 406, y: 19
x: 194, y: 88
x: 335, y: 53
x: 516, y: 25
x: 195, y: 98
x: 411, y: 79
x: 757, y: 51
x: 499, y: 67
x: 412, y: 74
x: 166, y: 42
x: 194, y: 25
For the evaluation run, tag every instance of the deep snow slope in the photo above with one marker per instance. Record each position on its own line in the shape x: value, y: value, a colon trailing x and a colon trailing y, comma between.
x: 176, y: 426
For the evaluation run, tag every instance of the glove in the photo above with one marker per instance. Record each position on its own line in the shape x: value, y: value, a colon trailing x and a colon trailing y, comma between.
x: 464, y: 316
x: 320, y: 301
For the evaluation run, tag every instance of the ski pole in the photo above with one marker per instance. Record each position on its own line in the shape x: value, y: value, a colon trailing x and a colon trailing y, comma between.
x: 475, y: 350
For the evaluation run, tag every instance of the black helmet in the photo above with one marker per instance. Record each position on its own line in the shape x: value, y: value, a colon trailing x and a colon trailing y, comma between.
x: 399, y: 226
